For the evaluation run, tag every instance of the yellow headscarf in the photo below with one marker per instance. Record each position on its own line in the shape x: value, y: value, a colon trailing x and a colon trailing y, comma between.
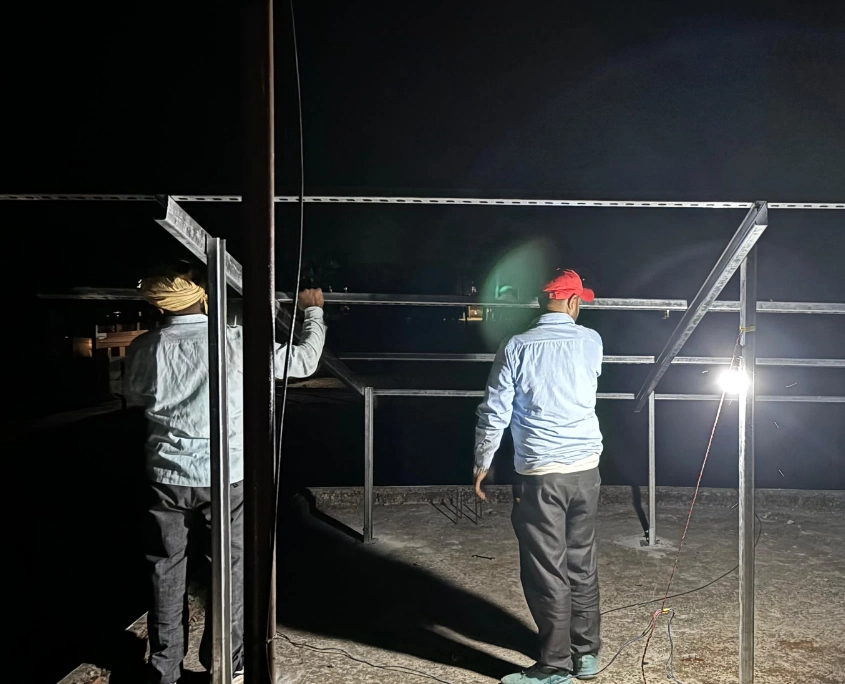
x: 172, y: 294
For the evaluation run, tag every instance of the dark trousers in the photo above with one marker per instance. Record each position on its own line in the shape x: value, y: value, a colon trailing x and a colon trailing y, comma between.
x: 175, y: 514
x: 554, y: 517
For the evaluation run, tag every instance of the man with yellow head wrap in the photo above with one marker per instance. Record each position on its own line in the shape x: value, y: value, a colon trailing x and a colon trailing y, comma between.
x: 168, y: 376
x: 174, y: 293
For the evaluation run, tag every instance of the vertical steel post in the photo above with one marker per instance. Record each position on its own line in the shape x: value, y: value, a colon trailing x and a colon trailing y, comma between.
x: 748, y: 324
x: 652, y: 475
x: 259, y: 329
x: 220, y: 603
x: 369, y: 410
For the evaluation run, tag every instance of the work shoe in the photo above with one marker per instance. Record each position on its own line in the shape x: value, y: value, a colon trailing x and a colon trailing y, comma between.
x: 585, y: 666
x: 540, y: 674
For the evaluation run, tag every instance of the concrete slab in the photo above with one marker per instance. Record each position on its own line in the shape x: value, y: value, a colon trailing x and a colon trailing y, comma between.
x: 437, y: 601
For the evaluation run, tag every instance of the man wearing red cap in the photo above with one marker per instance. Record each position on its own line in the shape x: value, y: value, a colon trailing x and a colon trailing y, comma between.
x: 543, y: 385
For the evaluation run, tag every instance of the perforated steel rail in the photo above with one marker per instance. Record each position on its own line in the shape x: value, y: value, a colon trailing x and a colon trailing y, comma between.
x: 465, y: 201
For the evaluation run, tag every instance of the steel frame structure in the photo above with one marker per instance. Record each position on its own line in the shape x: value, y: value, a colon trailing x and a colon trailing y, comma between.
x: 743, y: 241
x: 739, y: 254
x: 194, y: 238
x: 220, y: 600
x: 262, y: 314
x: 374, y: 299
x: 747, y: 408
x: 423, y: 201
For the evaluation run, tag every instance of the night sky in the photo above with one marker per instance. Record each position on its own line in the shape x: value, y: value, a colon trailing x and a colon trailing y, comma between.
x: 600, y: 100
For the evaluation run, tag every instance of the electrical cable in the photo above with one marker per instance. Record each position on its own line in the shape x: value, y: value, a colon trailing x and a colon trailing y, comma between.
x: 633, y: 640
x: 340, y: 651
x: 271, y: 619
x: 691, y: 591
x: 670, y: 661
x: 669, y: 666
x: 408, y: 670
x: 689, y: 517
x: 286, y: 375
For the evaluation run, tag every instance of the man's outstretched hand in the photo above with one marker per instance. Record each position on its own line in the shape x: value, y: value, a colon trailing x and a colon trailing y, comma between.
x: 311, y: 297
x: 479, y: 478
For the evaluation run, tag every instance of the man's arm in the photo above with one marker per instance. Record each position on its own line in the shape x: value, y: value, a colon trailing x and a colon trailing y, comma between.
x: 305, y: 356
x: 494, y: 415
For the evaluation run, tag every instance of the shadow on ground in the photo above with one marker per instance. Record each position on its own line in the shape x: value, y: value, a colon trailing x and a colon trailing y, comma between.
x: 80, y: 567
x: 331, y: 585
x: 81, y: 577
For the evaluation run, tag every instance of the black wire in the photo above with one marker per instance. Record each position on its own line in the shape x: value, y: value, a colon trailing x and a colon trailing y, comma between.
x: 340, y: 651
x: 299, y: 261
x: 670, y: 661
x: 418, y: 673
x: 691, y: 591
x: 720, y: 577
x: 633, y: 640
x: 271, y: 618
x: 286, y: 376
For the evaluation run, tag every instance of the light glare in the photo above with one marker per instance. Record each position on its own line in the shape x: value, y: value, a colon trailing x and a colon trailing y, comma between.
x: 733, y: 381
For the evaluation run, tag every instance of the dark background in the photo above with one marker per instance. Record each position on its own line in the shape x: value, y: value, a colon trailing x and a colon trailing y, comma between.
x: 645, y: 100
x: 603, y: 100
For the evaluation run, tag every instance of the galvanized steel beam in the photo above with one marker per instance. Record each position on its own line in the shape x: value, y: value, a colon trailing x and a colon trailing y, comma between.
x: 746, y: 236
x: 420, y: 201
x: 371, y: 299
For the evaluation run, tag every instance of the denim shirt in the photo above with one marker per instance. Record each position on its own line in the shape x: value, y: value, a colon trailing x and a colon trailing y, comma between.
x: 168, y: 375
x: 543, y: 384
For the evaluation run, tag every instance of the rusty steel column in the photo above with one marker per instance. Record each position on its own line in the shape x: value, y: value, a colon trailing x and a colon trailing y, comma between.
x: 259, y: 314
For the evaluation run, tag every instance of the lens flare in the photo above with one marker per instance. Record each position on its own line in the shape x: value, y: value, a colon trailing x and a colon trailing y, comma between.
x: 516, y: 276
x: 733, y: 381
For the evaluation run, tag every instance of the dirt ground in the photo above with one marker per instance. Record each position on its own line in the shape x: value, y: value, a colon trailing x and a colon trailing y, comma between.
x: 434, y: 600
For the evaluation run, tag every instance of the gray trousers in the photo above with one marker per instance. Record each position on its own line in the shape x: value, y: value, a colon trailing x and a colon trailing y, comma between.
x: 175, y: 515
x: 554, y: 517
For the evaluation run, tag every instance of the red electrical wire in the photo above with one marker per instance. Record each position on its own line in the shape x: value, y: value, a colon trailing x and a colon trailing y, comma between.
x: 662, y: 610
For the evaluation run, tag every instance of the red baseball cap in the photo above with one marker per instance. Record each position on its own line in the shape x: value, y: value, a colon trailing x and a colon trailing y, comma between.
x: 566, y: 284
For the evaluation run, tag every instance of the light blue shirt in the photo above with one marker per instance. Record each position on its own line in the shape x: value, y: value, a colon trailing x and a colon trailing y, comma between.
x: 543, y: 384
x: 168, y: 375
